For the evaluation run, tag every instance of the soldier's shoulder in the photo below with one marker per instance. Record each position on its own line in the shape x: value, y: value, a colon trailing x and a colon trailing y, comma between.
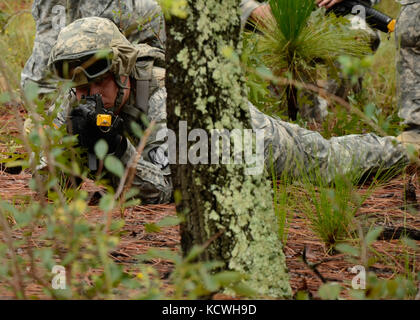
x: 150, y: 64
x: 146, y: 51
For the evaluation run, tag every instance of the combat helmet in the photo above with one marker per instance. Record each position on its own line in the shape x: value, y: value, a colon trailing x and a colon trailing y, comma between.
x: 89, y: 48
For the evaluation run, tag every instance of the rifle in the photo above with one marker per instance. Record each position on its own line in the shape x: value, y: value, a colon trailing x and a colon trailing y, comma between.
x: 103, y: 121
x: 374, y: 18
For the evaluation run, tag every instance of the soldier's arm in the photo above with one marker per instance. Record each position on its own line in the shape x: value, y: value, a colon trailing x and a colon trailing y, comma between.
x: 153, y: 183
x: 67, y: 102
x: 49, y: 15
x: 254, y: 10
x: 327, y: 3
x: 301, y: 153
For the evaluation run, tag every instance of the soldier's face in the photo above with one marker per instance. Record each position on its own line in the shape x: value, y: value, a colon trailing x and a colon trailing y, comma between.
x: 106, y: 87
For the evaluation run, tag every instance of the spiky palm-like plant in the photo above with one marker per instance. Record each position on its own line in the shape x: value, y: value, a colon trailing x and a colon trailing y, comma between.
x: 297, y: 39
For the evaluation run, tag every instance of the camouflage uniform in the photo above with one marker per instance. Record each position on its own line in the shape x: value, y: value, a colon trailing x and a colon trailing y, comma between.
x: 299, y: 152
x: 152, y: 176
x: 247, y: 6
x: 295, y: 150
x: 52, y: 15
x: 408, y: 62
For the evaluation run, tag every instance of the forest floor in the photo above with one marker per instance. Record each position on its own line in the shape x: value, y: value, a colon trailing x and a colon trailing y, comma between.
x: 385, y: 206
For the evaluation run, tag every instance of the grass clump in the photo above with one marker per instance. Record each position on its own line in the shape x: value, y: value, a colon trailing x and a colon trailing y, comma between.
x: 297, y: 40
x: 331, y: 209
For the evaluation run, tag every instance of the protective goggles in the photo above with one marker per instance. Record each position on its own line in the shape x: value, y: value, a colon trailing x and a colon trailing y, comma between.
x: 83, y: 70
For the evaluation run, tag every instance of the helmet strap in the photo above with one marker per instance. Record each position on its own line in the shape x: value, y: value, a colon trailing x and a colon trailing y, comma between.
x: 120, y: 93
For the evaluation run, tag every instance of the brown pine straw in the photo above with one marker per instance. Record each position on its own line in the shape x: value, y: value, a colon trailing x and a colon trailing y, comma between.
x: 383, y: 206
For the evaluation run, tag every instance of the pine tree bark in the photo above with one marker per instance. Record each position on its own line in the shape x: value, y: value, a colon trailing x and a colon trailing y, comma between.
x: 225, y: 208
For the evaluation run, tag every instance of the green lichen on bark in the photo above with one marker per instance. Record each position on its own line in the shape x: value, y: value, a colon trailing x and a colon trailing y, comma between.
x: 210, y: 89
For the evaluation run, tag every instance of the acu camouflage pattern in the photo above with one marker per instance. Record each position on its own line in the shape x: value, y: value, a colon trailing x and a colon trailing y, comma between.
x: 247, y: 6
x: 152, y: 176
x: 408, y: 62
x: 293, y: 148
x: 142, y: 19
x: 152, y: 179
x: 94, y: 34
x: 302, y: 153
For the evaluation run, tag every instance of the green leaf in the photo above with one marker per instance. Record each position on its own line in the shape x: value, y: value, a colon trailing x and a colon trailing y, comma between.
x: 136, y: 129
x: 47, y: 257
x: 370, y: 110
x: 131, y: 203
x: 9, y: 208
x: 225, y: 278
x: 169, y: 221
x: 116, y: 273
x: 264, y: 72
x: 194, y: 252
x: 151, y: 227
x: 329, y: 291
x: 107, y: 202
x: 31, y: 91
x: 102, y: 54
x: 32, y: 184
x: 34, y: 138
x: 243, y: 289
x: 75, y: 168
x: 357, y: 294
x: 23, y: 219
x: 114, y: 165
x: 229, y: 53
x: 302, y: 295
x: 51, y: 183
x: 177, y: 196
x: 69, y: 140
x: 131, y: 193
x: 68, y: 258
x: 101, y: 149
x: 345, y: 61
x: 117, y: 225
x: 81, y: 228
x: 410, y: 243
x: 4, y: 97
x: 17, y: 163
x: 367, y: 61
x: 144, y: 120
x: 209, y: 282
x: 373, y: 235
x: 345, y: 248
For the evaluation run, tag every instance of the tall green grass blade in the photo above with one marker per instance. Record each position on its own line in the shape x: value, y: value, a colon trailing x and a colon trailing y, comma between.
x: 291, y: 16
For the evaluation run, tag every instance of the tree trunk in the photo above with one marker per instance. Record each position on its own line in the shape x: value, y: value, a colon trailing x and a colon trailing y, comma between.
x: 225, y: 208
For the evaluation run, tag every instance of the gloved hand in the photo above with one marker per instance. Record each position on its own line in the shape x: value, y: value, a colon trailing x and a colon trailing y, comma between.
x: 83, y: 123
